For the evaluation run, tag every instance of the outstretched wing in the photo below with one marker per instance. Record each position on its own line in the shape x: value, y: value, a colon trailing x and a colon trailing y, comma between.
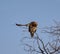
x: 21, y: 25
x: 18, y: 25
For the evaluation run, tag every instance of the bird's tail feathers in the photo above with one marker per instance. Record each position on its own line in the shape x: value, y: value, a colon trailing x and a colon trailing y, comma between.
x: 32, y: 34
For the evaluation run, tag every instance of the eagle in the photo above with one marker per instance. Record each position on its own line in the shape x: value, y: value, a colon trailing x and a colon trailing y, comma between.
x: 32, y: 27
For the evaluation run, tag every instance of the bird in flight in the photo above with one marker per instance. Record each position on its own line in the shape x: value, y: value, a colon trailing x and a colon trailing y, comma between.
x: 32, y: 27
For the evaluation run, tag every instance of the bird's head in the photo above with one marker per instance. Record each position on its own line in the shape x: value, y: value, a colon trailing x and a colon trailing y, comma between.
x: 34, y: 24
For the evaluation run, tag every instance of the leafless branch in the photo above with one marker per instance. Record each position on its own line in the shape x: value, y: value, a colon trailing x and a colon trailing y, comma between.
x: 52, y: 47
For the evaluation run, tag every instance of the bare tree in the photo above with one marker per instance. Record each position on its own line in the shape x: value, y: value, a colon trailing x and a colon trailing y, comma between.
x: 37, y: 46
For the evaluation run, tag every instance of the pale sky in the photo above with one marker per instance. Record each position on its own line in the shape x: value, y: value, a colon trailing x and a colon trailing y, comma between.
x: 24, y: 11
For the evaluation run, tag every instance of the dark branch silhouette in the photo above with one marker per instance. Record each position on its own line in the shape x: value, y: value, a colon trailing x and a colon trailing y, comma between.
x: 38, y: 46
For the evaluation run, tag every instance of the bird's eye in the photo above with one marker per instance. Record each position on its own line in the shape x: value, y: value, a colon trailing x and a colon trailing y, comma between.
x: 34, y: 25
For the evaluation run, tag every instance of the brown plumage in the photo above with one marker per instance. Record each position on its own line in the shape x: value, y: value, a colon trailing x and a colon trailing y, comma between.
x: 32, y: 27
